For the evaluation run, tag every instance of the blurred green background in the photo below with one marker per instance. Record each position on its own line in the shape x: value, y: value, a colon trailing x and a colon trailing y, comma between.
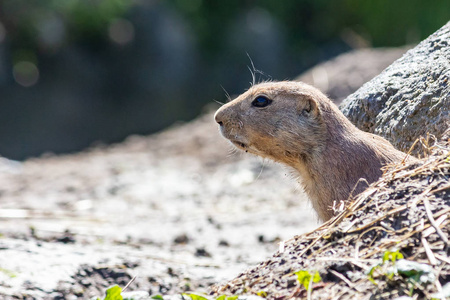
x: 75, y: 72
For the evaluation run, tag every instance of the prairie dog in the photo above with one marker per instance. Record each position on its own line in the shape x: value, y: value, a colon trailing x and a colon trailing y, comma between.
x: 297, y: 125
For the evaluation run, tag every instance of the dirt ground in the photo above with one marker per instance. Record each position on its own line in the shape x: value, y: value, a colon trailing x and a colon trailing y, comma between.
x: 179, y: 210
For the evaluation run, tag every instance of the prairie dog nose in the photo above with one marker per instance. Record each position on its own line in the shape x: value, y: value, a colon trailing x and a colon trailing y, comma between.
x: 218, y: 117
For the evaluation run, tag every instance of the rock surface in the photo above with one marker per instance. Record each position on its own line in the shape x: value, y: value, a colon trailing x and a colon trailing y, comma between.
x: 344, y: 74
x: 410, y: 98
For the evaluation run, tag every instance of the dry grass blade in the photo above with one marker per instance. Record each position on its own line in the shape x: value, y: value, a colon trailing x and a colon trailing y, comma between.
x: 433, y: 222
x: 129, y: 282
x: 428, y: 251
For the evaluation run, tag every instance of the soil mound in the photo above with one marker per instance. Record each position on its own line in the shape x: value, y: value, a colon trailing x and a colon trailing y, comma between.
x: 357, y: 254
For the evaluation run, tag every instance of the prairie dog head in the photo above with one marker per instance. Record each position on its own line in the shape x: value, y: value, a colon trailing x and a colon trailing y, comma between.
x: 277, y: 120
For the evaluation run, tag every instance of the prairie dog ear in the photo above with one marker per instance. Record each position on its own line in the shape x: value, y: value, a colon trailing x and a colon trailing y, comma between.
x: 308, y: 107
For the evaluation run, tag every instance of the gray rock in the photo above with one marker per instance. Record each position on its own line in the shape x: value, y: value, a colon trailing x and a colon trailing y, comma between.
x: 410, y: 98
x: 344, y: 74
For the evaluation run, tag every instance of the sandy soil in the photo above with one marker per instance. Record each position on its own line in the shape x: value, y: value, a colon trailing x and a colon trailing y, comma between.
x: 179, y: 210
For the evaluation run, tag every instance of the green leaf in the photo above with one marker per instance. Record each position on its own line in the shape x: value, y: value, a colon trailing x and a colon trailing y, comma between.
x: 113, y: 293
x: 223, y: 297
x: 304, y: 278
x: 8, y: 273
x: 158, y: 297
x: 316, y: 277
x: 262, y: 294
x: 392, y: 255
x: 195, y: 297
x: 232, y: 297
x: 370, y: 274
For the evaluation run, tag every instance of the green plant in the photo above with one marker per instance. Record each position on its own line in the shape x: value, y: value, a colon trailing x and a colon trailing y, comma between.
x: 388, y: 256
x: 199, y: 297
x: 113, y: 293
x: 392, y: 255
x: 305, y: 278
x: 8, y: 273
x: 262, y: 294
x: 395, y: 267
x: 195, y: 297
x: 223, y: 297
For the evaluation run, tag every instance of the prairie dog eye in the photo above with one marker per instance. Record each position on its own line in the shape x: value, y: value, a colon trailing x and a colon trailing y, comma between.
x: 261, y: 101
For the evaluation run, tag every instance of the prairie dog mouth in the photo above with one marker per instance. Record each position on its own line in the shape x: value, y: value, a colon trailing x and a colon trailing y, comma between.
x: 234, y: 139
x: 239, y: 144
x: 249, y: 148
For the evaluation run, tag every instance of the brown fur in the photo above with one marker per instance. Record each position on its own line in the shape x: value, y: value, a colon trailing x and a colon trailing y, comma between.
x: 303, y: 129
